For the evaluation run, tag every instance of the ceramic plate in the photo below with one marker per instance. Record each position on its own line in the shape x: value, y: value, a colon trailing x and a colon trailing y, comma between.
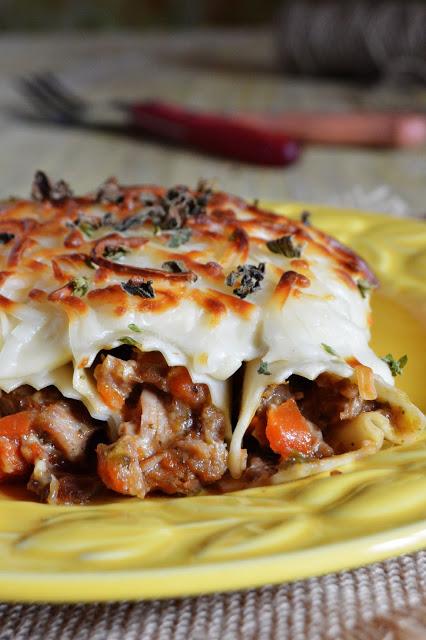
x: 167, y: 547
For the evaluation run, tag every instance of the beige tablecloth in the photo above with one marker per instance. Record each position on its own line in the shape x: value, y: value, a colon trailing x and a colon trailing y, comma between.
x: 385, y: 601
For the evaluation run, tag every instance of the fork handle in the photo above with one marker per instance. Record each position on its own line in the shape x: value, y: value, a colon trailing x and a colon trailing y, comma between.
x: 216, y: 134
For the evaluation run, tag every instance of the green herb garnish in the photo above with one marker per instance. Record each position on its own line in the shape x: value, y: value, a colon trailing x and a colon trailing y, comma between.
x: 174, y: 266
x: 364, y: 287
x: 135, y: 328
x: 263, y: 368
x: 179, y: 237
x: 329, y: 350
x: 395, y: 366
x: 113, y: 253
x: 128, y: 340
x: 286, y: 246
x: 89, y: 263
x: 79, y: 286
x: 305, y: 218
x: 87, y: 228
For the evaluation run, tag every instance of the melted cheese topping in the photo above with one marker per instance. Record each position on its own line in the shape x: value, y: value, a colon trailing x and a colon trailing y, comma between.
x: 51, y: 330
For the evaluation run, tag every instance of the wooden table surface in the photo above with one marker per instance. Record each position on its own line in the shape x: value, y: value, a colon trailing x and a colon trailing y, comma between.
x: 217, y: 69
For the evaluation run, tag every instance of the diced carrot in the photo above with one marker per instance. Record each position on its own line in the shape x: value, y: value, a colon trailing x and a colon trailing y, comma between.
x: 365, y: 379
x: 12, y: 428
x: 112, y: 398
x: 288, y: 431
x: 15, y: 425
x: 182, y: 387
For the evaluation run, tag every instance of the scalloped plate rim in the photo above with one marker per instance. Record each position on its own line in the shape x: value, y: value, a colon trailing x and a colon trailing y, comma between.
x: 374, y: 548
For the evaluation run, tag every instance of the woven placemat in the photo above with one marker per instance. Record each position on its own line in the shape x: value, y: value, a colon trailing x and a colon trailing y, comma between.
x: 384, y: 601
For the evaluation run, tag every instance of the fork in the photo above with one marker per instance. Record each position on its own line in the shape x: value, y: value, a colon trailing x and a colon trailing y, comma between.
x: 210, y: 132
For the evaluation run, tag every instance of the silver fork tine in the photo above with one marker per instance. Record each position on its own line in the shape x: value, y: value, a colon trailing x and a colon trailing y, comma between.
x: 49, y: 99
x: 44, y: 103
x: 58, y: 90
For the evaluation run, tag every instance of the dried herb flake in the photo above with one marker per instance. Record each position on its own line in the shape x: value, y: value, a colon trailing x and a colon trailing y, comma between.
x: 174, y: 266
x: 249, y: 278
x: 305, y: 218
x: 179, y: 237
x: 286, y: 246
x: 6, y: 237
x: 139, y: 288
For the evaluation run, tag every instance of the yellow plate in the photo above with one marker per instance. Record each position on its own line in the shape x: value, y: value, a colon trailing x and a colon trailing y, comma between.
x: 174, y: 547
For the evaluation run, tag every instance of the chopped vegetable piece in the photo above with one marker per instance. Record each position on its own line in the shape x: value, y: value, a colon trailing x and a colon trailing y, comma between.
x: 80, y: 286
x: 15, y: 425
x: 396, y: 366
x: 329, y: 350
x: 287, y: 430
x: 127, y: 340
x: 263, y: 368
x: 135, y: 328
x: 12, y: 428
x: 364, y: 287
x: 365, y: 379
x: 113, y: 253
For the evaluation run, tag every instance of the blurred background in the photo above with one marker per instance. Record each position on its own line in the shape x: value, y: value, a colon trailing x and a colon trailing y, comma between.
x: 134, y: 14
x: 356, y: 68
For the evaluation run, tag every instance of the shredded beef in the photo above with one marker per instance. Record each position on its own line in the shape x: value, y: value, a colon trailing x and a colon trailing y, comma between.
x: 329, y: 400
x: 171, y: 438
x: 56, y: 437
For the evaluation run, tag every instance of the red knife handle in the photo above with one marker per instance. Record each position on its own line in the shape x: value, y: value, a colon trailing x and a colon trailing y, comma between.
x: 216, y: 134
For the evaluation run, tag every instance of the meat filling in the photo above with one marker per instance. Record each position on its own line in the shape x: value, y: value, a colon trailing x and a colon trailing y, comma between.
x: 44, y: 437
x: 294, y: 419
x: 171, y: 436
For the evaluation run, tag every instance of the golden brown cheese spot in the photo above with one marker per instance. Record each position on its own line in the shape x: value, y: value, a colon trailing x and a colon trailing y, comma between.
x: 163, y: 301
x: 289, y: 282
x: 38, y: 295
x: 234, y: 304
x: 214, y: 307
x: 352, y: 362
x: 72, y: 305
x: 240, y: 240
x: 83, y: 362
x: 113, y: 294
x: 347, y: 259
x: 74, y: 239
x: 59, y: 273
x: 101, y: 276
x: 6, y: 304
x: 345, y: 277
x: 120, y: 310
x: 36, y: 265
x: 298, y: 263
